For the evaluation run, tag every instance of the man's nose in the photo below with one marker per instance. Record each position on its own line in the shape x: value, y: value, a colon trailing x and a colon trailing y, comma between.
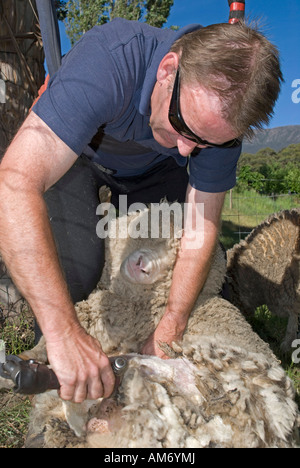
x: 185, y: 146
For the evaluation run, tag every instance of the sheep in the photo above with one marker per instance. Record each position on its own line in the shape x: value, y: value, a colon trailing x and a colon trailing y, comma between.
x: 264, y: 269
x: 210, y: 395
x: 221, y: 387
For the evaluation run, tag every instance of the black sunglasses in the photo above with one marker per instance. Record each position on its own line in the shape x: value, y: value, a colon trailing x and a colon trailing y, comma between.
x: 177, y: 122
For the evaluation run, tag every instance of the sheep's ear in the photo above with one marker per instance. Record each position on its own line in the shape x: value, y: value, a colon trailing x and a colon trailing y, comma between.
x: 77, y: 415
x: 38, y: 353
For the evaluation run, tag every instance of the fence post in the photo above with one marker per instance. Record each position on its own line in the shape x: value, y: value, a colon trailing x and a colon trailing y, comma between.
x: 230, y: 199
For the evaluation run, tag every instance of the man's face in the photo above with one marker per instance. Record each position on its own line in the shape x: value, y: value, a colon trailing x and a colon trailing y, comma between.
x: 200, y: 109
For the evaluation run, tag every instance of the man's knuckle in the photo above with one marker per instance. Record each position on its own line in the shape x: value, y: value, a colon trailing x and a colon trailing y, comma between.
x: 66, y: 393
x: 95, y: 373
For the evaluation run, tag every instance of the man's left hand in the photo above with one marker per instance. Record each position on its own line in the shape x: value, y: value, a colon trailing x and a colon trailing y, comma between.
x: 167, y: 331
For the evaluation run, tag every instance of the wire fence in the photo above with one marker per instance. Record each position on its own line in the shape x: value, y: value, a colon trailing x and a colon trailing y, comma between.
x: 246, y: 209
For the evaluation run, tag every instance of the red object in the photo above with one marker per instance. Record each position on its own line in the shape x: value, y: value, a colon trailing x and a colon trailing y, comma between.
x: 237, y: 11
x: 237, y: 6
x: 41, y: 91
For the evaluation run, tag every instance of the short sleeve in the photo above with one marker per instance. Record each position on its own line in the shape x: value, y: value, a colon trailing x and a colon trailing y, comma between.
x: 214, y: 169
x: 83, y: 95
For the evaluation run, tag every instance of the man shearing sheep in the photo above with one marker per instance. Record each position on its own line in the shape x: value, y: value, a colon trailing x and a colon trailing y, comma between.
x: 131, y: 107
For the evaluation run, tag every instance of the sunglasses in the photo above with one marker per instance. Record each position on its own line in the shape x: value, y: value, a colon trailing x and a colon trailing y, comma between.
x: 177, y: 122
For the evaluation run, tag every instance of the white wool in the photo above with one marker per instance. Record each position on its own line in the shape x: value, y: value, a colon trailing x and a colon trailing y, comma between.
x: 192, y: 442
x: 222, y: 432
x: 77, y: 415
x: 222, y: 387
x: 249, y: 366
x: 276, y: 373
x: 280, y: 416
x: 215, y: 431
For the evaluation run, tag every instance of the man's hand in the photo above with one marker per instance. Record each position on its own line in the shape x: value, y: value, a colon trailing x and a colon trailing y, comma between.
x: 190, y: 270
x: 35, y: 160
x: 169, y: 329
x: 82, y: 368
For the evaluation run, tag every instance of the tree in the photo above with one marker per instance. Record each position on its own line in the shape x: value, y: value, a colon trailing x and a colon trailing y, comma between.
x: 158, y: 12
x: 269, y: 172
x: 21, y: 62
x: 61, y: 11
x: 292, y: 179
x: 82, y: 15
x: 249, y: 179
x: 274, y: 175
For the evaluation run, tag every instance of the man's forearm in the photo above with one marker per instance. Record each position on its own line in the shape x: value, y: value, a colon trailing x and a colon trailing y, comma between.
x: 190, y: 272
x: 36, y: 159
x: 29, y: 252
x: 26, y: 241
x: 189, y: 275
x: 194, y: 257
x: 191, y: 269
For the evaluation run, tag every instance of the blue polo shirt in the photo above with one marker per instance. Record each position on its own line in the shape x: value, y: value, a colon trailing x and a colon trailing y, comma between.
x: 104, y: 87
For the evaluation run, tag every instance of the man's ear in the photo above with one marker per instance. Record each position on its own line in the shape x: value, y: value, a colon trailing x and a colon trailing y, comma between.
x: 167, y: 67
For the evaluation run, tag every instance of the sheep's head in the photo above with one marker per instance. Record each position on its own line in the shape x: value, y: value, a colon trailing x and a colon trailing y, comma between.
x: 145, y: 266
x: 139, y: 253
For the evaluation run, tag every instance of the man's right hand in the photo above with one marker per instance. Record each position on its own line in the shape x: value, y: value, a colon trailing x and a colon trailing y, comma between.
x: 34, y: 161
x: 82, y: 368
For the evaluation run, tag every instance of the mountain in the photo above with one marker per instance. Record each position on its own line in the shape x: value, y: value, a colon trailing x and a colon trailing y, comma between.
x: 274, y: 138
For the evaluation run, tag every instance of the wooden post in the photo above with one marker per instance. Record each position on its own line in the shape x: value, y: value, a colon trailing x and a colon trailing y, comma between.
x: 21, y: 65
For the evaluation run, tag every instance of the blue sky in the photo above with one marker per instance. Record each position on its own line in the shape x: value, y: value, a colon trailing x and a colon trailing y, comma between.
x: 280, y: 22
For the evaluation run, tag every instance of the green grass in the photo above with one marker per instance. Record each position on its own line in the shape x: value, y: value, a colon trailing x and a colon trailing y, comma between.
x: 272, y: 330
x: 14, y: 419
x: 245, y: 210
x: 17, y: 332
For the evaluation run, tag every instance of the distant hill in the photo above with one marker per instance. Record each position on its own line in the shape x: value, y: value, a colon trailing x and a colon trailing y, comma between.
x: 267, y: 156
x: 274, y: 138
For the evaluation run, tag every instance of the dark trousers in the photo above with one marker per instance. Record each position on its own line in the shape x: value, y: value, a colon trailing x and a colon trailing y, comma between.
x: 72, y: 204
